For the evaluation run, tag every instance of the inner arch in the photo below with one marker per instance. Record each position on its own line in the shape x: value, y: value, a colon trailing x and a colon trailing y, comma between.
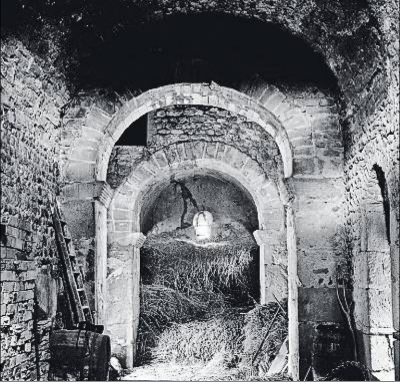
x: 195, y: 282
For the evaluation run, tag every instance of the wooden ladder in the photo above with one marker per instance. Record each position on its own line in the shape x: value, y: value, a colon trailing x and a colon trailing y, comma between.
x: 72, y: 273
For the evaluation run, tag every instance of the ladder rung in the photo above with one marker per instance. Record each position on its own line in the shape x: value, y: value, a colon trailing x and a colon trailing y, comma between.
x: 76, y: 296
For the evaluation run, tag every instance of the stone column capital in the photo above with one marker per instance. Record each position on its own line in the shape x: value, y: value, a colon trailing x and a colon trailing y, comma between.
x: 105, y: 194
x: 127, y: 240
x: 264, y: 236
x: 138, y: 239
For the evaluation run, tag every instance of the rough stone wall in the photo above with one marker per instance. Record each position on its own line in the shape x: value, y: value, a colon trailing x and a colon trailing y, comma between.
x: 32, y: 96
x: 348, y: 35
x: 373, y: 139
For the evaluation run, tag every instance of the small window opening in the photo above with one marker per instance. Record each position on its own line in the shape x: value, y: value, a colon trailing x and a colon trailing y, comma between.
x: 385, y: 196
x: 135, y: 134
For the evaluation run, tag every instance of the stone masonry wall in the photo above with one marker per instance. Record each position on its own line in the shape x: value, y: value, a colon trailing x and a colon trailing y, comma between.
x: 32, y: 96
x: 175, y: 124
x: 311, y: 119
x: 374, y: 141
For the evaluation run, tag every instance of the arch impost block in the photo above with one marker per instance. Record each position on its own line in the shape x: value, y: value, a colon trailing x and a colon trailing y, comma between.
x: 90, y: 191
x: 266, y: 236
x: 105, y: 195
x: 138, y: 239
x: 126, y: 240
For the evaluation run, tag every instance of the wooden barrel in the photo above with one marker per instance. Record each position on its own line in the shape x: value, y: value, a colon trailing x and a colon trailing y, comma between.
x: 76, y: 349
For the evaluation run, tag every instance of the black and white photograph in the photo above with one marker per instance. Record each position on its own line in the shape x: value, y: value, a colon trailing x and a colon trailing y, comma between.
x: 200, y: 190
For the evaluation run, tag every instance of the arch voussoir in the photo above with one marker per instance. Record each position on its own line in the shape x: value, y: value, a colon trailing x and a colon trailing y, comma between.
x: 103, y: 129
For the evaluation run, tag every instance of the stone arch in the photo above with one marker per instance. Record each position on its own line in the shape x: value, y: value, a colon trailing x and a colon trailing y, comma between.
x: 83, y: 162
x: 145, y: 181
x: 191, y: 157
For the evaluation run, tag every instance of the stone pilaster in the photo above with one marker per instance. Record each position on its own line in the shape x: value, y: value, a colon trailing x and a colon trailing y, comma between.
x: 123, y: 282
x: 273, y: 273
x: 85, y: 209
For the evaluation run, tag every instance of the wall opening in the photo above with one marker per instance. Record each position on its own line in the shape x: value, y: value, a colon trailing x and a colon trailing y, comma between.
x: 373, y: 280
x: 135, y: 134
x: 385, y: 197
x: 132, y: 216
x: 200, y: 299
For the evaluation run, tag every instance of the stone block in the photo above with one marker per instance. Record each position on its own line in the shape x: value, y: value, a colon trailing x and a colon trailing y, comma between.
x: 376, y: 239
x: 25, y: 295
x: 97, y: 119
x: 319, y: 305
x: 5, y: 285
x: 85, y: 154
x: 46, y: 294
x: 317, y: 268
x: 303, y: 166
x: 28, y: 347
x: 315, y: 230
x: 379, y: 270
x: 380, y: 310
x: 5, y: 321
x: 119, y: 214
x: 361, y: 309
x: 276, y: 283
x: 360, y: 269
x: 381, y: 354
x: 161, y: 159
x: 122, y: 226
x: 80, y: 171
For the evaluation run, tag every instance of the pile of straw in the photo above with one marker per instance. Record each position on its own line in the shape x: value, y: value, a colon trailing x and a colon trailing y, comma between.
x: 200, y: 341
x: 265, y: 329
x: 162, y: 306
x: 237, y: 334
x: 198, y: 305
x: 186, y: 268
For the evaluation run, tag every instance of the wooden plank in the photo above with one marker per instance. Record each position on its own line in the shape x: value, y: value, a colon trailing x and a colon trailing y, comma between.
x: 67, y: 268
x: 280, y: 362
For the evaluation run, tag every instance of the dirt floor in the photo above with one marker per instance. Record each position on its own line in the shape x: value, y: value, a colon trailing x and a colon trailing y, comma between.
x: 180, y: 372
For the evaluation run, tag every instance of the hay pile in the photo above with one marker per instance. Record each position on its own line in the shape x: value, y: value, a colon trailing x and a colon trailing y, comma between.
x: 198, y: 305
x: 190, y: 269
x: 200, y: 341
x: 237, y: 334
x: 224, y: 265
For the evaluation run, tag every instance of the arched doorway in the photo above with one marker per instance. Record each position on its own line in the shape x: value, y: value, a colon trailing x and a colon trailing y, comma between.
x: 192, y: 285
x: 125, y: 238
